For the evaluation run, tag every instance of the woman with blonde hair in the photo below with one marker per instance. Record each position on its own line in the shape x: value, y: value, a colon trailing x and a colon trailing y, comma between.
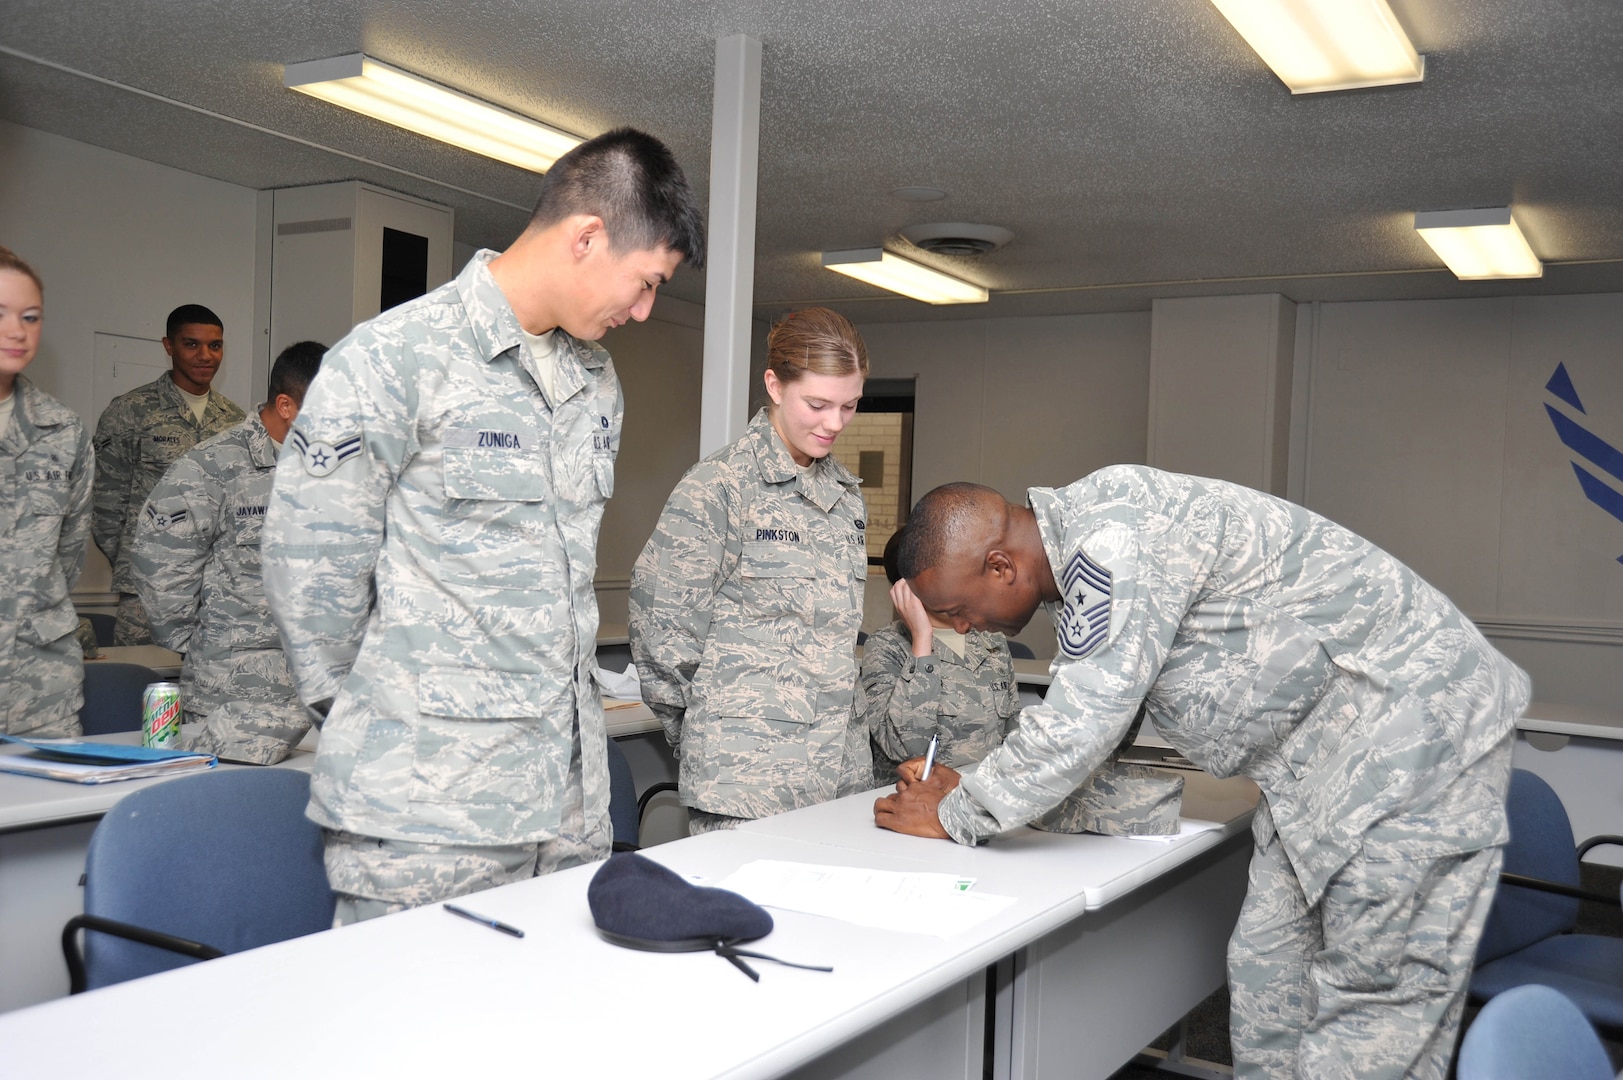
x: 746, y: 602
x: 44, y: 525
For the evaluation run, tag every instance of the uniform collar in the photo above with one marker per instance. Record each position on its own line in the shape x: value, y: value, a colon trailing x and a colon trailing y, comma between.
x: 31, y: 410
x: 261, y: 450
x: 213, y: 412
x: 824, y: 483
x: 40, y: 409
x: 1049, y: 508
x: 496, y: 329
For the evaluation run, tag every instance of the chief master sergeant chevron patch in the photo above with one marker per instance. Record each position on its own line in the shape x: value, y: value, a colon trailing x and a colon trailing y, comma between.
x: 1084, y: 625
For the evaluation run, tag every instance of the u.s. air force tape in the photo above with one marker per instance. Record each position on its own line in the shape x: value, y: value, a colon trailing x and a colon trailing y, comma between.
x: 321, y: 458
x: 1084, y: 625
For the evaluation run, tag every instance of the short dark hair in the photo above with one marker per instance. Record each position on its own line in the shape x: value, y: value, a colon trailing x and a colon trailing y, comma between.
x: 937, y: 520
x: 190, y: 313
x: 630, y: 180
x: 294, y: 368
x: 893, y: 546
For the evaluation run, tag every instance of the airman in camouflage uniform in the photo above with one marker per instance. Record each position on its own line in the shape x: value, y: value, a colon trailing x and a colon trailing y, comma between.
x: 140, y: 434
x: 431, y: 542
x: 1269, y: 642
x: 46, y: 466
x: 744, y: 611
x: 972, y: 702
x: 197, y: 564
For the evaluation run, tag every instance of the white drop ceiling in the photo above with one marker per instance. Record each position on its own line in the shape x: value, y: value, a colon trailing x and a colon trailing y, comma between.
x: 1137, y: 148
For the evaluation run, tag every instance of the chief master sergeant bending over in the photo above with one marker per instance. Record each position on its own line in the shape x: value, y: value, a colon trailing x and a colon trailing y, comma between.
x: 1266, y: 641
x: 432, y: 537
x: 196, y: 562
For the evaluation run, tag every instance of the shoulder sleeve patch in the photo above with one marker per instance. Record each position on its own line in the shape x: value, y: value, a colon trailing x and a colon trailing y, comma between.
x: 1084, y: 624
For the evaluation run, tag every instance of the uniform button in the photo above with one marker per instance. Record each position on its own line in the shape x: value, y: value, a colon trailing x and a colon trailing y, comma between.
x: 928, y: 668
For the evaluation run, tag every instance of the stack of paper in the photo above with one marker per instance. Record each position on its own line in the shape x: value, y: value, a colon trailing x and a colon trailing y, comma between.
x: 96, y: 763
x: 937, y: 904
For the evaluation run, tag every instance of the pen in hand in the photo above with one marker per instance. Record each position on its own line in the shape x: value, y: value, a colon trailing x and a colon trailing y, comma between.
x: 929, y: 756
x: 486, y: 920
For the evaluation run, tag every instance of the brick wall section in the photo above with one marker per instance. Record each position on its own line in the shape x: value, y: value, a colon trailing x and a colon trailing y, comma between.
x: 883, y: 432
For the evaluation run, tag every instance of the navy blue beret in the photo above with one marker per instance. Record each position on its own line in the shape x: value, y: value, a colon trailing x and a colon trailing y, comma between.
x: 641, y: 904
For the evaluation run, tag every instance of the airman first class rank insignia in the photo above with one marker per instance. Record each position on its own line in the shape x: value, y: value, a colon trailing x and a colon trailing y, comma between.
x: 163, y: 521
x: 321, y: 458
x: 1084, y: 625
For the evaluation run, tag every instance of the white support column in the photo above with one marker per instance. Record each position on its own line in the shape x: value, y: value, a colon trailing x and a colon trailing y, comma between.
x: 735, y: 141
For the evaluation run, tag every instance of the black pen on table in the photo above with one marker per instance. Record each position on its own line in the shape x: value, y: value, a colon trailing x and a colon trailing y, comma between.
x: 929, y: 756
x: 486, y: 920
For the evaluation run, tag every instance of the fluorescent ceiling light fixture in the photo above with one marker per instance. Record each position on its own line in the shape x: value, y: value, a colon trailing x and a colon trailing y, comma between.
x: 1319, y: 45
x: 368, y: 86
x: 1478, y: 244
x: 879, y: 267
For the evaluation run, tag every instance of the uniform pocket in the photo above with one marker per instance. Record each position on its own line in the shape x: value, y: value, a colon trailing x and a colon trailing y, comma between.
x: 156, y: 450
x: 777, y: 577
x: 486, y: 738
x: 248, y: 530
x: 47, y: 500
x: 493, y: 511
x: 44, y: 627
x: 486, y: 475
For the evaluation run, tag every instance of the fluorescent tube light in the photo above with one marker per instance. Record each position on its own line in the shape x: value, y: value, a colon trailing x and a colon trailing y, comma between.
x: 1478, y: 244
x: 1319, y: 45
x: 368, y: 86
x: 876, y: 266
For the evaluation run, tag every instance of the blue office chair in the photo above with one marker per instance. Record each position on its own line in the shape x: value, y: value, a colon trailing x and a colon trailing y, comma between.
x: 1021, y: 651
x: 1532, y: 1033
x: 196, y: 868
x: 623, y: 800
x: 113, y: 696
x: 103, y: 625
x: 1528, y: 937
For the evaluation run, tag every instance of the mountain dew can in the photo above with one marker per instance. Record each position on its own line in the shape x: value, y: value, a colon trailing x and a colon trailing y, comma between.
x: 160, y: 715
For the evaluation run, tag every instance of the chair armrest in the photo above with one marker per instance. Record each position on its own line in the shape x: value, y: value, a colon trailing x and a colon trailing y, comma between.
x: 654, y: 789
x: 130, y: 932
x: 1559, y: 889
x: 1597, y: 841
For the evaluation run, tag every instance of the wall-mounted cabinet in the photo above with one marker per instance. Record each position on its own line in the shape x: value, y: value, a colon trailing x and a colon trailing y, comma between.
x: 341, y: 253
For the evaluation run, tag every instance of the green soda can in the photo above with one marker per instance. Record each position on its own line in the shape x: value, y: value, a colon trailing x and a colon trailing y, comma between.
x: 160, y: 715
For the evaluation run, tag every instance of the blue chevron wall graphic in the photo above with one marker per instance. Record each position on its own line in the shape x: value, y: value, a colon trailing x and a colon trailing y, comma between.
x: 1587, y: 445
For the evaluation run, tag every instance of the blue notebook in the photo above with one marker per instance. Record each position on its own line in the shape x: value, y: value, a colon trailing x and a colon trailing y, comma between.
x: 96, y: 763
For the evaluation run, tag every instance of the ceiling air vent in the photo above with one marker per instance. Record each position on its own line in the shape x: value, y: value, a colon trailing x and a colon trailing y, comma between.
x: 957, y: 237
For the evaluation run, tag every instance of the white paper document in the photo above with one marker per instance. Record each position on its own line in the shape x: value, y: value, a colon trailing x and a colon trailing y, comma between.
x: 940, y: 905
x: 1186, y: 827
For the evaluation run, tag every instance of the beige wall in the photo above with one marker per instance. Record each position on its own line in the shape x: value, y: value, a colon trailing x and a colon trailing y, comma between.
x: 882, y: 433
x: 661, y: 365
x: 1017, y: 403
x: 120, y: 243
x: 1425, y: 430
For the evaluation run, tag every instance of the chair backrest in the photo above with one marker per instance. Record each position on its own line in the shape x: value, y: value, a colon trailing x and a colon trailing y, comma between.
x: 224, y: 857
x: 623, y: 812
x: 1541, y: 846
x: 113, y: 696
x: 1021, y: 651
x: 103, y: 625
x: 1532, y: 1032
